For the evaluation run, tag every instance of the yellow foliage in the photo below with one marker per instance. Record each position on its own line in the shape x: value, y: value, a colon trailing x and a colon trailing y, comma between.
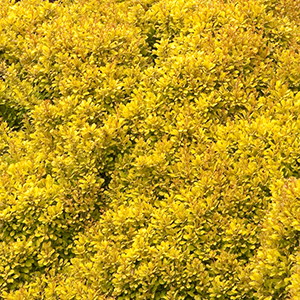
x: 149, y: 149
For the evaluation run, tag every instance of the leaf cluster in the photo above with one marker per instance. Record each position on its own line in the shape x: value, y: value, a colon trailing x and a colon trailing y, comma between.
x: 149, y: 149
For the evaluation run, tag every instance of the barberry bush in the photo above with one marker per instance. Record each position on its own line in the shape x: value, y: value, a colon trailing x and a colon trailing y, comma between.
x: 150, y: 149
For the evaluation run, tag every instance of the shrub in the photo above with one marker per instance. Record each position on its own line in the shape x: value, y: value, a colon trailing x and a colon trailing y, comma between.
x: 157, y: 141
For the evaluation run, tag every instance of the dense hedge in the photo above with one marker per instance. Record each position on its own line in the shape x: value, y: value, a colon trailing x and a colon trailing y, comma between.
x: 150, y: 149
